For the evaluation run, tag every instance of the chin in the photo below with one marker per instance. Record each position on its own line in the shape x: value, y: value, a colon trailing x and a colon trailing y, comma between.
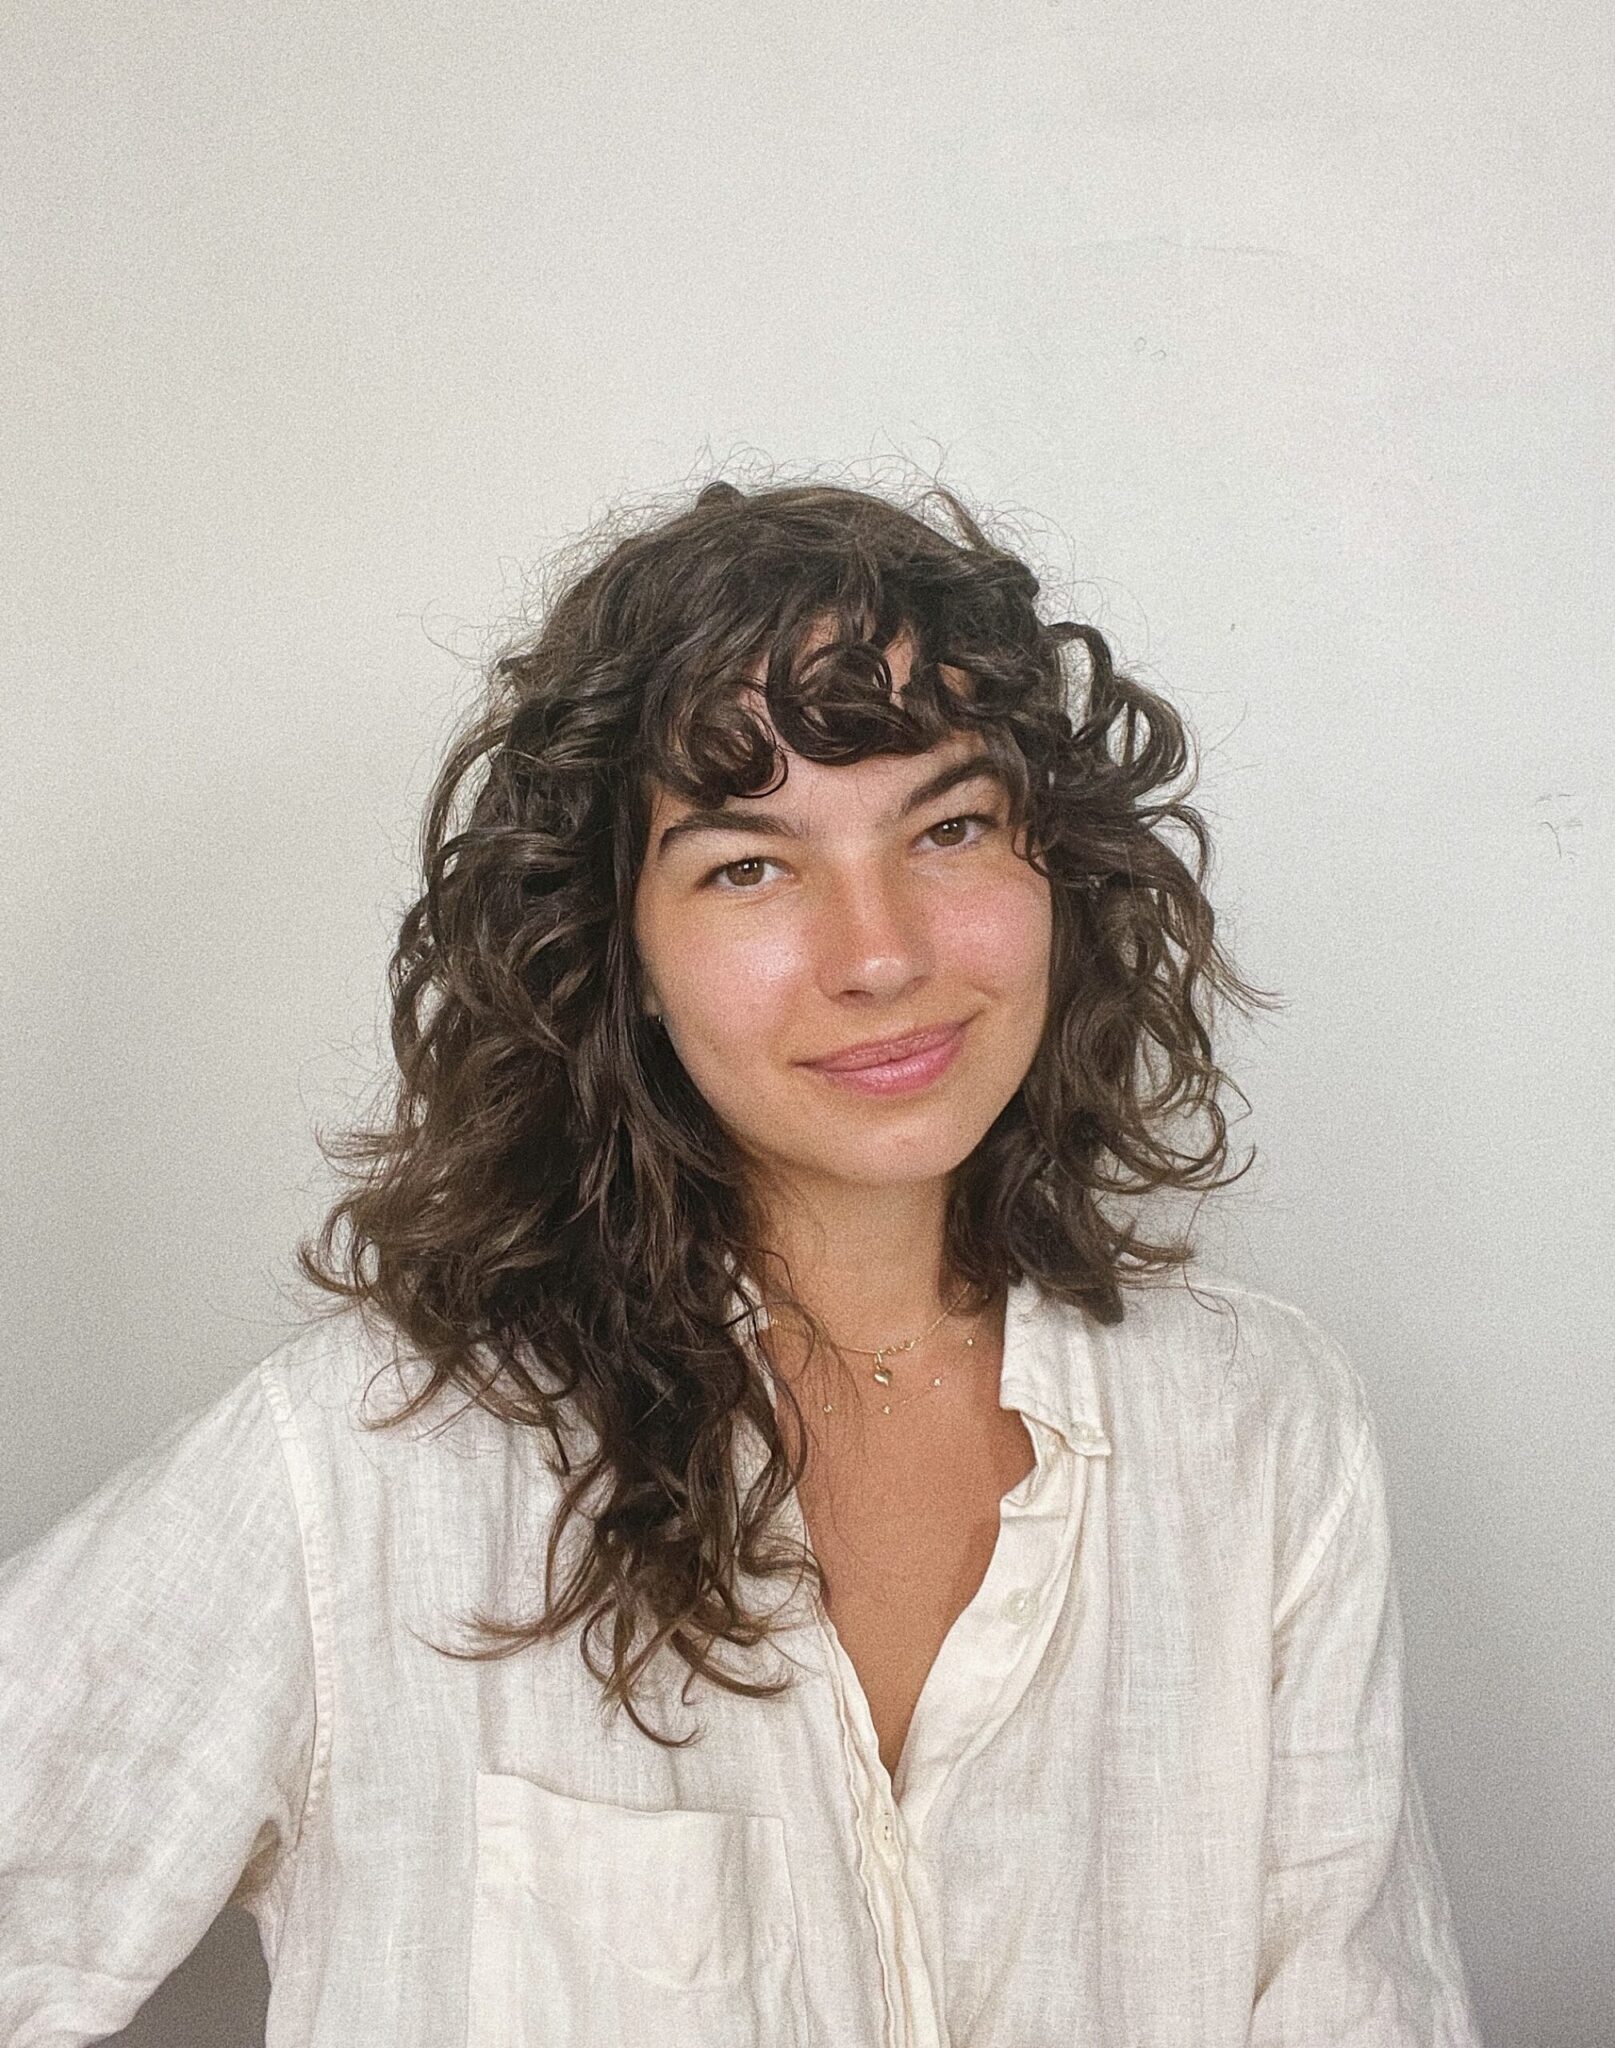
x: 893, y: 1159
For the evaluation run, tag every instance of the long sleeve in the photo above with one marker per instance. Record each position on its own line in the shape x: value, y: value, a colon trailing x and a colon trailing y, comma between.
x: 157, y: 1723
x: 1358, y: 1948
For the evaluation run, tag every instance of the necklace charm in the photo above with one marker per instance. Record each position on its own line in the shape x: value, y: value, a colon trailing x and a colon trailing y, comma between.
x: 881, y: 1372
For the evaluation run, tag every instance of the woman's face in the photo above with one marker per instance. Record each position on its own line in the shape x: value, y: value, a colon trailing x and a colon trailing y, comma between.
x: 859, y: 910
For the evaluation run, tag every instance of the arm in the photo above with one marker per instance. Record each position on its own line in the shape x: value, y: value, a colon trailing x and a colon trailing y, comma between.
x: 1358, y: 1949
x: 156, y: 1722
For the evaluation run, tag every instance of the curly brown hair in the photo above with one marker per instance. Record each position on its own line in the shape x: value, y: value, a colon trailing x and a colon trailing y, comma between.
x: 549, y: 1213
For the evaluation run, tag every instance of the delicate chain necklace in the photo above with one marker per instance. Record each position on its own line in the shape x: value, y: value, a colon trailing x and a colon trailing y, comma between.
x: 881, y: 1372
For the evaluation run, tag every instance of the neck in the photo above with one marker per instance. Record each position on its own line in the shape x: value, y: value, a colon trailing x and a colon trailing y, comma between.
x: 868, y: 1262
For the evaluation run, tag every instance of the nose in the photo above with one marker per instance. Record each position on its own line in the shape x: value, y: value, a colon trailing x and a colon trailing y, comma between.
x: 873, y: 936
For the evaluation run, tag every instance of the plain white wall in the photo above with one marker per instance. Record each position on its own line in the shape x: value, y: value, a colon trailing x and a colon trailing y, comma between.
x: 1285, y: 330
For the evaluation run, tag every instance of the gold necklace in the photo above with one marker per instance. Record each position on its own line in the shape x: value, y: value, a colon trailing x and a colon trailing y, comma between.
x: 881, y: 1372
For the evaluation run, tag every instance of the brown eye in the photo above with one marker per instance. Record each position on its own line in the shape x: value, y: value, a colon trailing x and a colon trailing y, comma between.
x: 718, y: 878
x: 970, y: 818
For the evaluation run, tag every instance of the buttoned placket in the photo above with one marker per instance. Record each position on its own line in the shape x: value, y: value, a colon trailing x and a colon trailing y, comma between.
x: 984, y: 1666
x: 913, y: 2019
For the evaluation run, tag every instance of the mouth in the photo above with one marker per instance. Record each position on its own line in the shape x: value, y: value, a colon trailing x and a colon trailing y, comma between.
x: 883, y: 1052
x: 920, y: 1058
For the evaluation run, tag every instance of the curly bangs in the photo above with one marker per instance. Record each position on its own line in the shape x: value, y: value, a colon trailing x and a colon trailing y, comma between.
x: 548, y: 1212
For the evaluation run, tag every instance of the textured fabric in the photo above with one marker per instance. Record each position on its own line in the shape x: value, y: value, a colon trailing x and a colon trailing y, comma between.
x: 1155, y: 1792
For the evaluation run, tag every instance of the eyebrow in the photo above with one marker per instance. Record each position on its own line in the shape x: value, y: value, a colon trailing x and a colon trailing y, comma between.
x: 769, y: 825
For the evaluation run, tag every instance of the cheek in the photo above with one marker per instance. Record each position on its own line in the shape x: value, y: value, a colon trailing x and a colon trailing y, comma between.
x: 729, y: 984
x: 1001, y: 937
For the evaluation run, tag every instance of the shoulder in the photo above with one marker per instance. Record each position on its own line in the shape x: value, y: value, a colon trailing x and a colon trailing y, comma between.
x: 333, y: 1370
x: 336, y: 1392
x: 351, y: 1373
x: 211, y: 1486
x: 1208, y: 1375
x: 1211, y: 1339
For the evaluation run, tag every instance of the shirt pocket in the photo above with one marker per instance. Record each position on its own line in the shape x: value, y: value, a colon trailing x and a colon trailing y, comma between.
x: 594, y: 1925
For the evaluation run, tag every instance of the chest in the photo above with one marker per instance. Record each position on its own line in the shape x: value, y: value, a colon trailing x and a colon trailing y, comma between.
x: 904, y: 1538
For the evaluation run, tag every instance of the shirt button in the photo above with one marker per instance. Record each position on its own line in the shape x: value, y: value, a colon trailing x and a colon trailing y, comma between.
x: 1020, y: 1605
x: 886, y: 1834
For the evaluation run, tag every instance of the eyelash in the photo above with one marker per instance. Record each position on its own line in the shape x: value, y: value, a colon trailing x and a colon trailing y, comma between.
x: 712, y: 879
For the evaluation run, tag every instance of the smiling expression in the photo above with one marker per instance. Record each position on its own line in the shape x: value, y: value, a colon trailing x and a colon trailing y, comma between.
x: 861, y: 901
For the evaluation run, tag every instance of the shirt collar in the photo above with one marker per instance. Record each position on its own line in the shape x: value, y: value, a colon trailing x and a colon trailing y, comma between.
x: 1050, y: 1368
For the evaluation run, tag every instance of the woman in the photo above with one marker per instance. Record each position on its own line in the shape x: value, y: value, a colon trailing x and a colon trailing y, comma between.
x: 764, y: 1549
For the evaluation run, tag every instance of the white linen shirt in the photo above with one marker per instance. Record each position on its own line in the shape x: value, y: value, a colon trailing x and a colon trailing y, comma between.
x: 1155, y: 1793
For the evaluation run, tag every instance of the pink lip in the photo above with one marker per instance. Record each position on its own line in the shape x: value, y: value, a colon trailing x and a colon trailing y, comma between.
x: 875, y: 1052
x: 895, y: 1066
